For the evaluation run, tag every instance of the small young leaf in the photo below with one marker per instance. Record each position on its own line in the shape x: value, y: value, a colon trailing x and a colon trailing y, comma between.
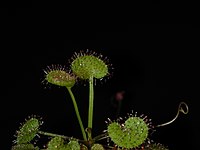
x: 28, y: 131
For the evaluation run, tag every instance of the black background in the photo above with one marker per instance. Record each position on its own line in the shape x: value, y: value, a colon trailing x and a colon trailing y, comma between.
x: 155, y: 63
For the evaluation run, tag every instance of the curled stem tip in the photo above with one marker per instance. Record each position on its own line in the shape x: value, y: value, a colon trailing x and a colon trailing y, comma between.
x: 180, y: 109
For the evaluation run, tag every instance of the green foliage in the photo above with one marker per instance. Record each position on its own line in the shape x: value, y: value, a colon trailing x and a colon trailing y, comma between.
x: 60, y: 77
x: 86, y: 66
x: 131, y: 134
x: 28, y: 131
x: 97, y: 147
x: 56, y: 143
x: 73, y: 144
x: 24, y: 147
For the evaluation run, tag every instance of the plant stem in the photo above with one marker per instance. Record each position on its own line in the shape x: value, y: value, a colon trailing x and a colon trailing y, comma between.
x: 180, y: 109
x: 54, y: 135
x: 77, y: 113
x: 62, y: 136
x: 91, y: 100
x: 100, y: 137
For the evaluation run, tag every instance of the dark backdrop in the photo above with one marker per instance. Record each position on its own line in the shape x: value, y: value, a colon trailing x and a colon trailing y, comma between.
x: 155, y: 64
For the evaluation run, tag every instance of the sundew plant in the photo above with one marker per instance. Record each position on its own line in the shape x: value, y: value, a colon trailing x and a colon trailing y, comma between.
x: 131, y: 132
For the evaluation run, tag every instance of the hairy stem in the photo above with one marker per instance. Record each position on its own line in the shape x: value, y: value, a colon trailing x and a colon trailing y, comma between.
x: 77, y: 113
